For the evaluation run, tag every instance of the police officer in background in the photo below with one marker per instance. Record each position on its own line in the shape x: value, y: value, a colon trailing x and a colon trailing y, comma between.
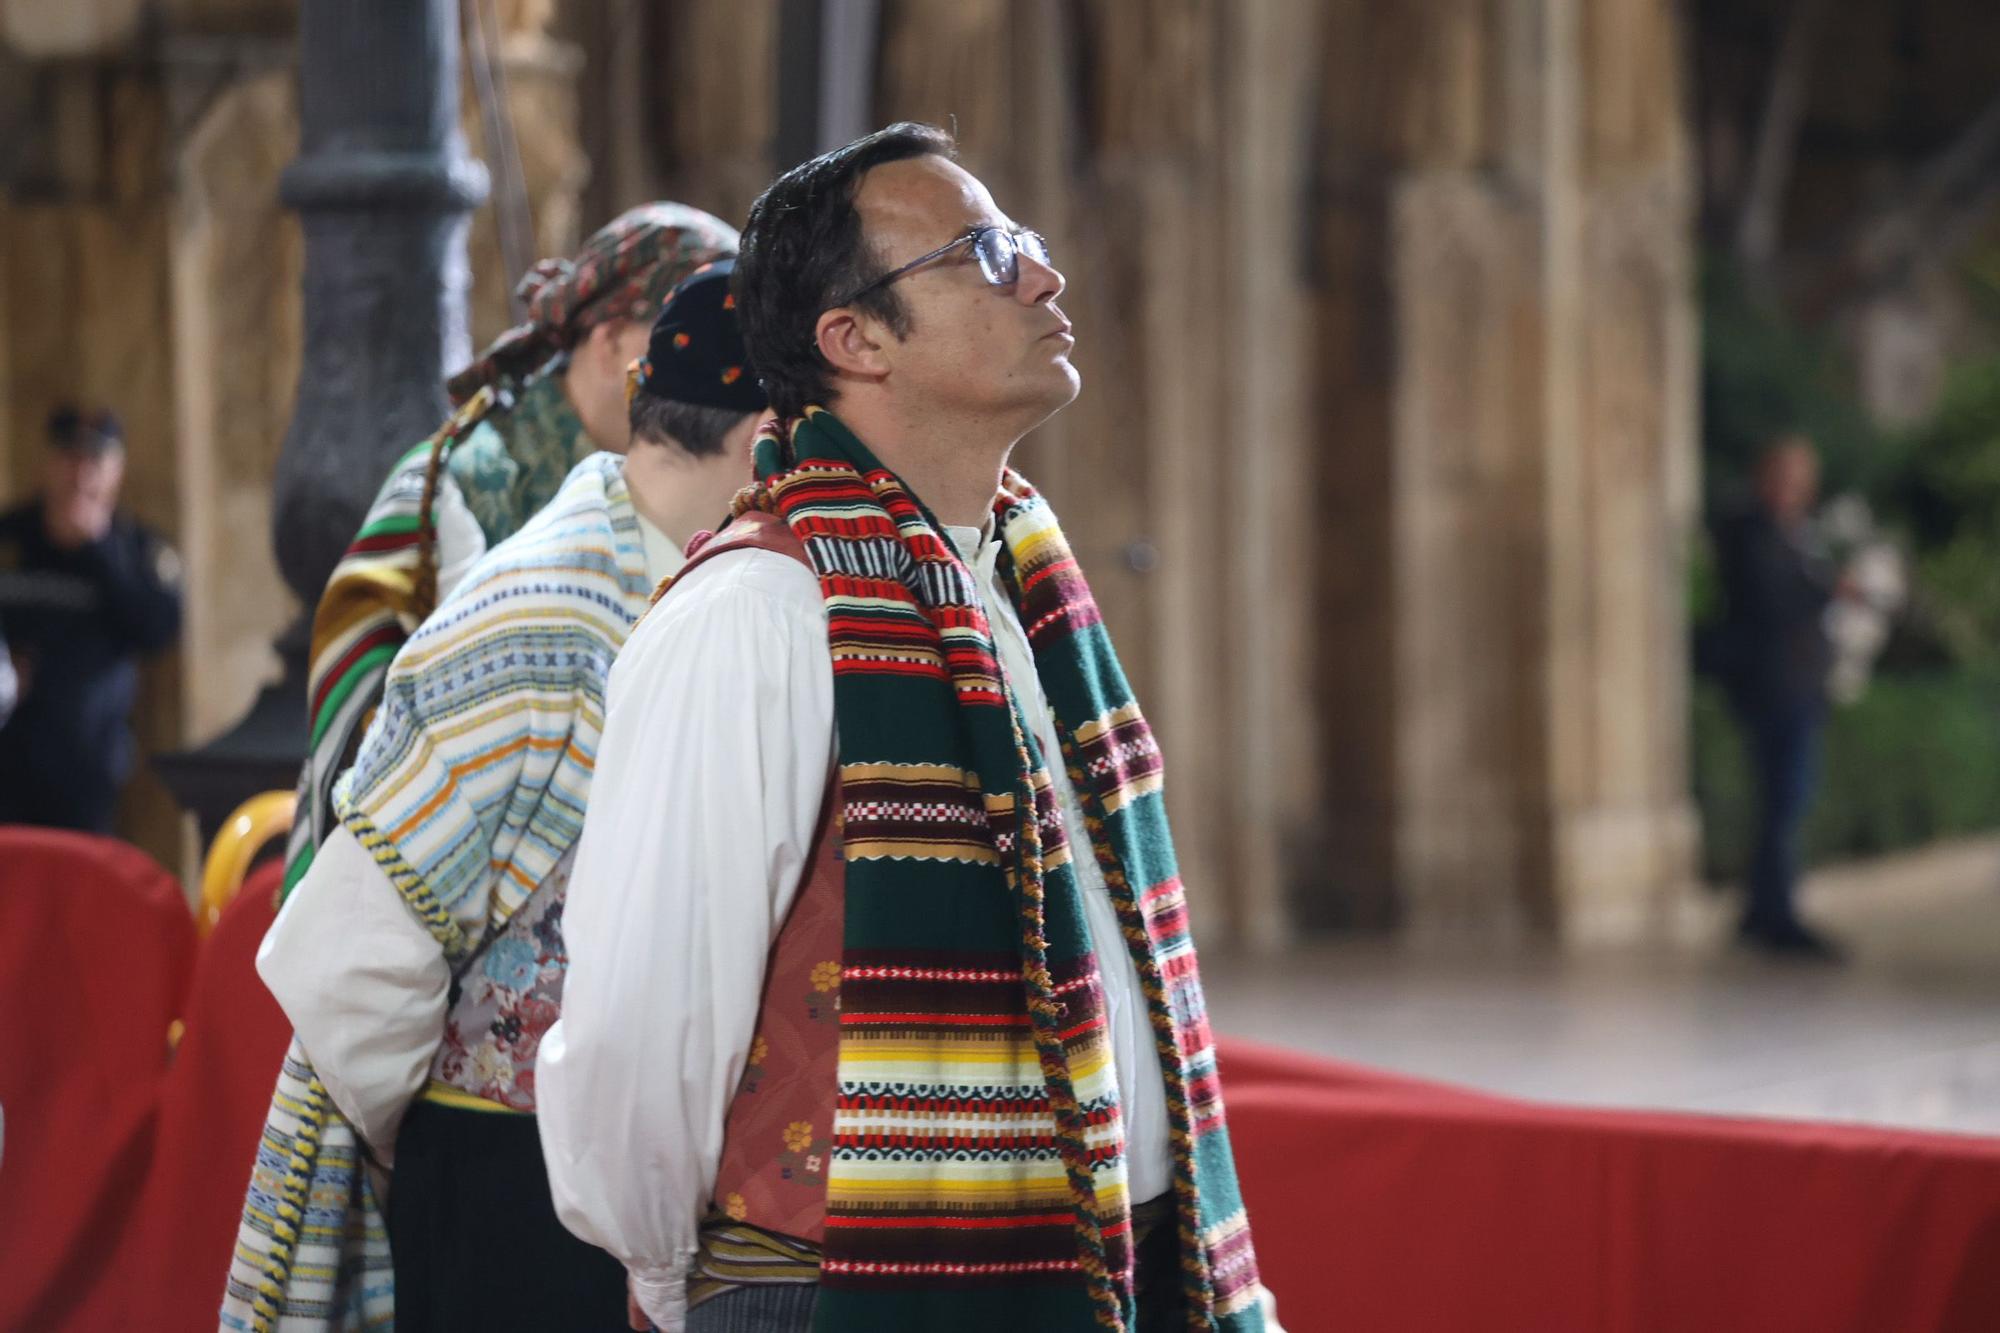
x: 84, y: 591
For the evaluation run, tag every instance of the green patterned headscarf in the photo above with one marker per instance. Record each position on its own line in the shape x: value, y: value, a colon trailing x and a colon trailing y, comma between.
x: 977, y: 1178
x: 624, y: 271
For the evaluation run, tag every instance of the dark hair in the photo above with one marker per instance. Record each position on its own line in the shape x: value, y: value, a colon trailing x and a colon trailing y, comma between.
x: 71, y: 429
x: 803, y: 249
x: 695, y: 429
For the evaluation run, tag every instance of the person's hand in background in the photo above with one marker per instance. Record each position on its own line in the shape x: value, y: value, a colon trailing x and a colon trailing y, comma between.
x: 12, y: 684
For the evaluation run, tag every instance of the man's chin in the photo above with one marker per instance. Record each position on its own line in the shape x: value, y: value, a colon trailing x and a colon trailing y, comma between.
x: 1031, y: 400
x: 1071, y: 383
x: 1061, y: 391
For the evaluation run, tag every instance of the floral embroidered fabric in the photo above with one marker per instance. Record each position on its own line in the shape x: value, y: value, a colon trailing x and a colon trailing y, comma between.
x: 506, y: 1000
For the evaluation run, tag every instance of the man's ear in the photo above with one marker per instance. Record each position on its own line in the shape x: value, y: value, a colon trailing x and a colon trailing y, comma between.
x: 852, y: 343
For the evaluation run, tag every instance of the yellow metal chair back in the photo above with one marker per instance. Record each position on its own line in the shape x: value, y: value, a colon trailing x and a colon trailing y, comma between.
x: 249, y: 827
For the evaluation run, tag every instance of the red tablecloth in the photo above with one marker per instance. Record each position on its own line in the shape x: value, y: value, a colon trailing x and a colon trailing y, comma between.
x: 1380, y: 1203
x: 96, y: 943
x: 1391, y: 1205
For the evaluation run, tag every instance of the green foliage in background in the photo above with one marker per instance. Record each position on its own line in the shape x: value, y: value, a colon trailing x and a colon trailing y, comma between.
x: 1947, y: 501
x: 1915, y: 760
x: 1761, y: 375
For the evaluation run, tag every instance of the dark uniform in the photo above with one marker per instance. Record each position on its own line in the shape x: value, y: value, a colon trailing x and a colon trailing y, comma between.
x: 75, y: 622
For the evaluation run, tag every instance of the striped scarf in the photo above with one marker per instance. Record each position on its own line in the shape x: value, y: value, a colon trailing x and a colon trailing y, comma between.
x: 504, y: 454
x: 468, y: 790
x: 978, y: 1177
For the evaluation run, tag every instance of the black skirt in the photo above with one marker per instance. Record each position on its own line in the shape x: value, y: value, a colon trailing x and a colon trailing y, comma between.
x: 474, y: 1235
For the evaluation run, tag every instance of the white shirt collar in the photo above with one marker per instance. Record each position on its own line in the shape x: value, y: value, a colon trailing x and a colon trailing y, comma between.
x: 978, y: 548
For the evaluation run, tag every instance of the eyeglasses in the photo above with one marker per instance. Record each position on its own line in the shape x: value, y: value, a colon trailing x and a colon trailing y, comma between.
x: 998, y: 249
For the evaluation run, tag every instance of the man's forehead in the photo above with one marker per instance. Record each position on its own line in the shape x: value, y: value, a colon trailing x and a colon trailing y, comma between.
x: 923, y: 198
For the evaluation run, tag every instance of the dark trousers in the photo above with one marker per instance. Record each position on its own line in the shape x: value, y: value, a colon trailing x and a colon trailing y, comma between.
x: 1156, y: 1278
x: 474, y: 1235
x: 786, y: 1308
x: 1784, y: 743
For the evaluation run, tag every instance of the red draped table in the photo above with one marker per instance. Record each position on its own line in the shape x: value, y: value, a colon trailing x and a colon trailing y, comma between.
x: 1392, y: 1205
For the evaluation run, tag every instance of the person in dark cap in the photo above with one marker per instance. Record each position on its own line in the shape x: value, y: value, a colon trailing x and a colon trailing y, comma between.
x: 420, y: 958
x: 85, y: 591
x: 547, y: 393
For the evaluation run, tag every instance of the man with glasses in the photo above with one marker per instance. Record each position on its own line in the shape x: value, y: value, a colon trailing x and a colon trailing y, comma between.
x: 898, y: 1030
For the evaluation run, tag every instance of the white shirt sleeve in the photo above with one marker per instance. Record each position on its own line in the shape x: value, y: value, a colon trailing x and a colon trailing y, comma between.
x: 460, y: 539
x: 364, y: 984
x: 717, y: 746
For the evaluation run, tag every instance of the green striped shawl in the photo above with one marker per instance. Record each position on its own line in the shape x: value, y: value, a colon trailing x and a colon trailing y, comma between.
x: 977, y: 1181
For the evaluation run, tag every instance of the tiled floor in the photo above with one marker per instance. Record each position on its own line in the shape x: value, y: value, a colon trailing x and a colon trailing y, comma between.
x: 1907, y: 1034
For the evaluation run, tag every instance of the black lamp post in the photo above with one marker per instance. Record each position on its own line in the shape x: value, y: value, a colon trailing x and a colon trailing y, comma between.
x: 386, y: 189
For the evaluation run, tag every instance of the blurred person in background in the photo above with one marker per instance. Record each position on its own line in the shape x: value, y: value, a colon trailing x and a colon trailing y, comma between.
x: 85, y: 591
x: 1775, y: 663
x: 548, y: 393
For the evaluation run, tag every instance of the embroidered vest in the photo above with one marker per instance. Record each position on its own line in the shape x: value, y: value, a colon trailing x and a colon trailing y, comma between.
x: 778, y: 1131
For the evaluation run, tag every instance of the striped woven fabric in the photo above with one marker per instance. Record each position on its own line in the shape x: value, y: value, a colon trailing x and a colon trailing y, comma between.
x: 501, y: 457
x: 468, y: 790
x: 736, y: 1254
x: 978, y: 1177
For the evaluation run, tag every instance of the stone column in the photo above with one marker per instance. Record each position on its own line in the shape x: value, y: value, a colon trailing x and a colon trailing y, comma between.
x: 384, y: 187
x: 1270, y: 448
x: 1623, y: 831
x: 237, y: 261
x: 1506, y: 353
x: 684, y: 104
x: 718, y: 125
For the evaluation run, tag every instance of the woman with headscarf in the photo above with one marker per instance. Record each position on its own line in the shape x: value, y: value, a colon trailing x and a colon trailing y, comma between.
x: 549, y: 392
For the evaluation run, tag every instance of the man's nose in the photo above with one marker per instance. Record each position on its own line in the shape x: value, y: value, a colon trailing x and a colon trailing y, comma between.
x: 1039, y: 281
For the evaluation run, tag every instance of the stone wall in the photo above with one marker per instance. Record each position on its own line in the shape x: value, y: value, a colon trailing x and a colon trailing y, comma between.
x: 1506, y: 351
x: 1384, y: 457
x: 1384, y: 462
x: 1386, y: 442
x: 85, y: 313
x: 146, y: 264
